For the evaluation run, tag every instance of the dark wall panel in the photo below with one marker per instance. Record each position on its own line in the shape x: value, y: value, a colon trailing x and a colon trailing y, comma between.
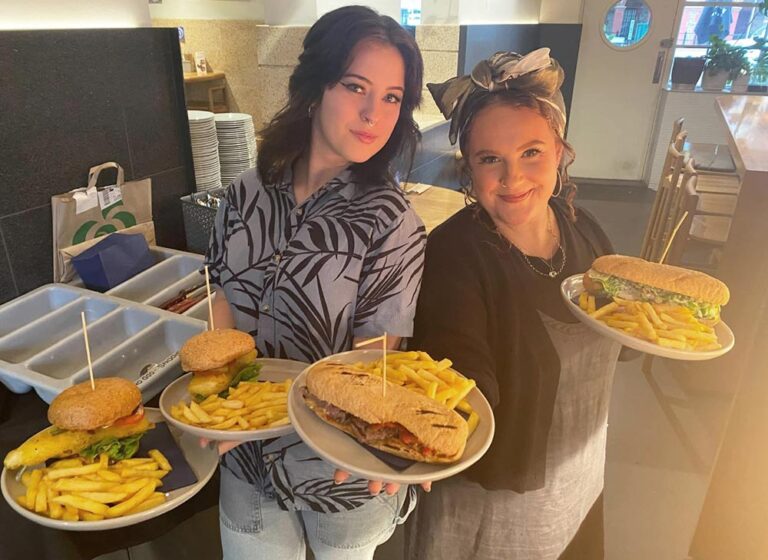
x: 484, y: 40
x: 477, y: 42
x: 563, y: 39
x: 71, y: 99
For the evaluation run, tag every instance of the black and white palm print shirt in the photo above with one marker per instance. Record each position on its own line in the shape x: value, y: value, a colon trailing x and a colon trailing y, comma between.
x: 305, y: 280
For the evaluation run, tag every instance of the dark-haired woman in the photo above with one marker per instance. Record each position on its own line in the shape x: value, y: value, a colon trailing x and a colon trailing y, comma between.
x: 315, y: 248
x: 490, y: 302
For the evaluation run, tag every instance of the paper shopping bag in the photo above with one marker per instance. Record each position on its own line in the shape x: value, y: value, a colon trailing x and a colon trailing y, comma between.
x: 91, y: 212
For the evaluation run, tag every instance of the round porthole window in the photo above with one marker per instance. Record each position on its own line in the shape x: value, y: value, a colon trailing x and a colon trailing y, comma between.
x: 626, y: 23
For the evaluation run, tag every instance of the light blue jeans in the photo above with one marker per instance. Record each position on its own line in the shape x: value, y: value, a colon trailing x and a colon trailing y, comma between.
x: 253, y: 526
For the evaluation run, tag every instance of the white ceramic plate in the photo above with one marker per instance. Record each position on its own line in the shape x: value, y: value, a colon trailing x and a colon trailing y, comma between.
x: 202, y: 461
x: 271, y: 370
x: 341, y: 450
x: 197, y: 116
x: 572, y: 287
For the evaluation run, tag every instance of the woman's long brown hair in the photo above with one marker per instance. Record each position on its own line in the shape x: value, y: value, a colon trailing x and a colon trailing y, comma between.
x: 326, y: 56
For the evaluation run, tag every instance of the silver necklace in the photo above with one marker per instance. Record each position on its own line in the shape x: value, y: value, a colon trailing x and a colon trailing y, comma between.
x: 552, y: 272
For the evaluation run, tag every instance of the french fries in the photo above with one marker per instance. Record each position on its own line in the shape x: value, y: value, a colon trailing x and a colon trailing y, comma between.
x: 665, y: 324
x: 79, y: 490
x: 419, y: 372
x: 252, y: 405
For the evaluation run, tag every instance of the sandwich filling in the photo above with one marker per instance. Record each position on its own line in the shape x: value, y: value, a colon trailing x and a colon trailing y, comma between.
x: 220, y: 380
x: 614, y: 286
x: 389, y: 434
x: 118, y: 441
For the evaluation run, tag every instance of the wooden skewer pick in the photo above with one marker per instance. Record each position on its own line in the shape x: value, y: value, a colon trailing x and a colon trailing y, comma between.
x: 672, y: 237
x: 88, y: 351
x: 384, y: 369
x: 383, y: 340
x: 210, y: 299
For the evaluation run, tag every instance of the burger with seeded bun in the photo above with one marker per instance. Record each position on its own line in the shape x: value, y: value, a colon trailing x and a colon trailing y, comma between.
x: 88, y: 421
x: 634, y: 279
x: 219, y: 359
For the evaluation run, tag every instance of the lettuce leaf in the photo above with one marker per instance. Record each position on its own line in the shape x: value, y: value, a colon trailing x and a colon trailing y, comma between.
x: 248, y: 373
x: 116, y: 449
x: 626, y: 289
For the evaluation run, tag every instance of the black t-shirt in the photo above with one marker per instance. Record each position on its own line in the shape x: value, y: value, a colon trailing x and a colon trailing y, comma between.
x: 478, y: 306
x: 578, y: 258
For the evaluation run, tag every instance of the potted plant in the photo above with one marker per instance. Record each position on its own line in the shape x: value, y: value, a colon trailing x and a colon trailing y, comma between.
x: 724, y: 62
x: 686, y: 72
x: 740, y: 70
x: 759, y: 72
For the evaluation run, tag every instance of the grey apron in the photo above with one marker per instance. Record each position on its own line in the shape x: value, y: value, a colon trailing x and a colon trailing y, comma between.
x: 461, y: 520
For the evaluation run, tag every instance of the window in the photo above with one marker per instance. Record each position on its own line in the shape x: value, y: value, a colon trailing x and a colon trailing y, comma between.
x: 626, y: 23
x: 410, y: 12
x: 742, y: 24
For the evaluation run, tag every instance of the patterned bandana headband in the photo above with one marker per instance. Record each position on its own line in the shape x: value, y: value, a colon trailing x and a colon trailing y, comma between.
x: 535, y: 73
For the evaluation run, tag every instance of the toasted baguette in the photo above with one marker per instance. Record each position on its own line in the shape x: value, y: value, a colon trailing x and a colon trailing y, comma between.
x: 691, y: 283
x: 360, y: 394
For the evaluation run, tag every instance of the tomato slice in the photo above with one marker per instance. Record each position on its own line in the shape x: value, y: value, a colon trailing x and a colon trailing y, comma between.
x: 407, y: 437
x: 130, y: 419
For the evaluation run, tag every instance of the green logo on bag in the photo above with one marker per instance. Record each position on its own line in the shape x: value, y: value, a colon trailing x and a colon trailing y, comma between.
x: 125, y: 218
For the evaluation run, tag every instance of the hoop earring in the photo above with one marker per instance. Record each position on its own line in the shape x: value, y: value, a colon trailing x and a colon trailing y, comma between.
x: 309, y: 111
x: 559, y: 189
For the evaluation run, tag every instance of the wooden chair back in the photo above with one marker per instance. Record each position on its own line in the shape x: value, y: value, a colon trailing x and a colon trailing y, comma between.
x: 685, y: 199
x: 662, y: 204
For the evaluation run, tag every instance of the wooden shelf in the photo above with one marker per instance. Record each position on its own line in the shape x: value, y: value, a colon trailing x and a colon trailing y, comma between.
x: 216, y: 93
x: 192, y: 77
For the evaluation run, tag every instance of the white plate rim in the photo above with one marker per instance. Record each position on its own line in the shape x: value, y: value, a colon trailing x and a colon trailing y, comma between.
x: 433, y: 472
x: 226, y: 435
x: 572, y: 287
x: 118, y: 522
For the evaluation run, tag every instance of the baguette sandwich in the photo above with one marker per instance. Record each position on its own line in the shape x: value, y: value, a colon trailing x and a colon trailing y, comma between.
x: 403, y: 423
x: 634, y: 279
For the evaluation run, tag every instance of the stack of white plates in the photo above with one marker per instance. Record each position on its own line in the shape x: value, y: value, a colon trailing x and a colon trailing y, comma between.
x: 237, y: 144
x: 205, y: 150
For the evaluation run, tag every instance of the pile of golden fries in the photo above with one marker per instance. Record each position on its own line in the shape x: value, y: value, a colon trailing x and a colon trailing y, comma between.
x: 418, y: 372
x: 79, y: 490
x: 665, y: 324
x: 252, y: 405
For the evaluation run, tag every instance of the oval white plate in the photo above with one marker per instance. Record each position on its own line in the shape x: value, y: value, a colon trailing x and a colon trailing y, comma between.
x: 272, y: 369
x: 341, y: 450
x: 572, y: 287
x: 202, y: 461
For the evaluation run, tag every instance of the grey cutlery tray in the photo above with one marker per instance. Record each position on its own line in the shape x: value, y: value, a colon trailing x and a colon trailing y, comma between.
x: 173, y: 272
x: 42, y: 346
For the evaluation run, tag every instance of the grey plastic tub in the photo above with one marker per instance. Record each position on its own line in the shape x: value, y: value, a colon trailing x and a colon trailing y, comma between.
x: 42, y: 347
x: 178, y: 271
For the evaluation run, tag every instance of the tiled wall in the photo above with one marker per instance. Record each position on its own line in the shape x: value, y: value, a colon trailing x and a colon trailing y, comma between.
x: 439, y: 46
x: 258, y: 60
x: 72, y: 99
